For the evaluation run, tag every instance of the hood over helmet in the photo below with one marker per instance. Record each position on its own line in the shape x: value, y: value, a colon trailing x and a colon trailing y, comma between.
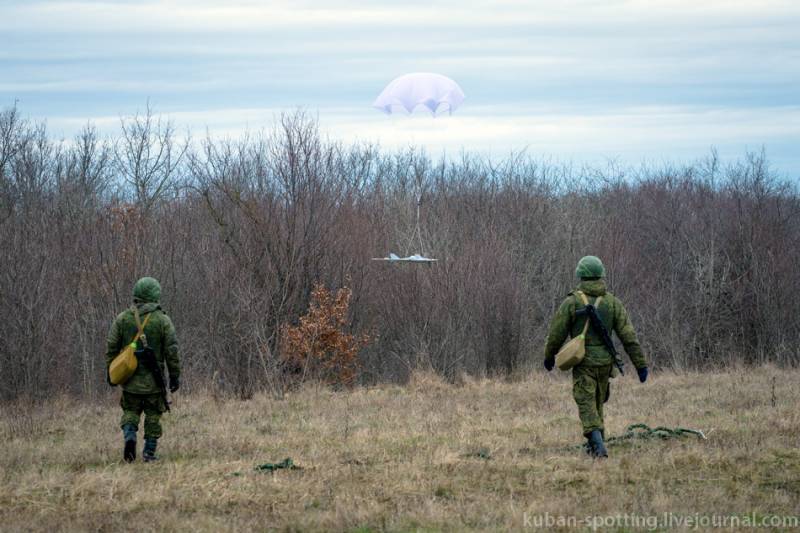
x: 147, y: 290
x: 590, y: 267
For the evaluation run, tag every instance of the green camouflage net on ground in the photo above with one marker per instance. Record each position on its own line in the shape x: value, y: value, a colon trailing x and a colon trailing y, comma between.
x: 271, y: 467
x: 643, y: 431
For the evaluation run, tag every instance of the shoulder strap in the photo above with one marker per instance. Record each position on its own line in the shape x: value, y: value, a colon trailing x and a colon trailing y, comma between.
x: 585, y: 300
x: 581, y: 296
x: 596, y: 305
x: 139, y: 325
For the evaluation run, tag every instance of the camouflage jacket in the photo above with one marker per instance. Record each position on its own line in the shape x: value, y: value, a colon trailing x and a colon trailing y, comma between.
x: 161, y: 338
x: 613, y: 315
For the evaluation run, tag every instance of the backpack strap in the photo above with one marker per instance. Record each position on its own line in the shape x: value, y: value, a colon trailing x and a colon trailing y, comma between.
x: 585, y: 301
x: 582, y: 297
x: 139, y: 324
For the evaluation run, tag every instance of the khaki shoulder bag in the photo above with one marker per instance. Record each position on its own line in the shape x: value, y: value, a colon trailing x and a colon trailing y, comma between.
x: 573, y: 352
x: 124, y: 365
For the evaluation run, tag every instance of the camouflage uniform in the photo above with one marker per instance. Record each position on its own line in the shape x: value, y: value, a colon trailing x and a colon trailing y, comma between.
x: 590, y: 379
x: 140, y: 393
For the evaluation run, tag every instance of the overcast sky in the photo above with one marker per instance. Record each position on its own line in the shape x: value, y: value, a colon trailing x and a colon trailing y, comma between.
x: 584, y: 81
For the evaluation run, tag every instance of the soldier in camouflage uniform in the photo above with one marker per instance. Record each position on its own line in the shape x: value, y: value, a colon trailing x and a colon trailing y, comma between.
x: 141, y: 393
x: 590, y: 386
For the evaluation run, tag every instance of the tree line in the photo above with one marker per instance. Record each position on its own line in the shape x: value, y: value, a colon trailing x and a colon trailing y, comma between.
x: 239, y: 232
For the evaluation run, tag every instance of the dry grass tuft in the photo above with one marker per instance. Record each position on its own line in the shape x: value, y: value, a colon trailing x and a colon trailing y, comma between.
x: 428, y: 456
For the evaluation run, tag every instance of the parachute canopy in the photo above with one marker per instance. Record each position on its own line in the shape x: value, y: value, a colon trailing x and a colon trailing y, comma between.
x: 436, y: 92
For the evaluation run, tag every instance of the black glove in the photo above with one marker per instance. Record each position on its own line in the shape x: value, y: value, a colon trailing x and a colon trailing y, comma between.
x: 108, y: 379
x: 174, y: 383
x: 549, y: 364
x: 642, y: 374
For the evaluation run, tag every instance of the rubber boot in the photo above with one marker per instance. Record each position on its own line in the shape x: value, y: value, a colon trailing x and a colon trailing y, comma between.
x: 129, y: 432
x: 596, y: 444
x: 149, y: 452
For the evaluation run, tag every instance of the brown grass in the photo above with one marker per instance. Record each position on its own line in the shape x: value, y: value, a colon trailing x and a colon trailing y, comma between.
x: 408, y: 458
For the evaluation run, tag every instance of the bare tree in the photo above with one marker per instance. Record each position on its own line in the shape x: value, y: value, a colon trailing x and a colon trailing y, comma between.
x: 704, y: 255
x: 147, y: 156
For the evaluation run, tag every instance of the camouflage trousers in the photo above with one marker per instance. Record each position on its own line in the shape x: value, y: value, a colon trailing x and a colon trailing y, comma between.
x: 590, y: 390
x: 151, y: 404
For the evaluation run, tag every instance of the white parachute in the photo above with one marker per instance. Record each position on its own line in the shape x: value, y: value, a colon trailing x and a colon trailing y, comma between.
x: 436, y: 92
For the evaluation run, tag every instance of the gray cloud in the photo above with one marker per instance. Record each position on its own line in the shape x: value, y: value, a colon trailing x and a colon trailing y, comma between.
x: 735, y: 64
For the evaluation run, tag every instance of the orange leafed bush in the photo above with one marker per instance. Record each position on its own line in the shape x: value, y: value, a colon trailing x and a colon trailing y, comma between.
x: 319, y: 346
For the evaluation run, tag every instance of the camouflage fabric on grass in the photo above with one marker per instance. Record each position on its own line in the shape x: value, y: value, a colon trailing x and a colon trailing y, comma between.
x: 133, y: 405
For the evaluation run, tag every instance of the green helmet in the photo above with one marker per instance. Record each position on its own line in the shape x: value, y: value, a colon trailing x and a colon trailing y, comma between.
x: 590, y: 267
x: 147, y: 290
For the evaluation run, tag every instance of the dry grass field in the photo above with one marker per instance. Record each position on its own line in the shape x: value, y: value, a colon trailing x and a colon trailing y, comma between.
x: 485, y: 454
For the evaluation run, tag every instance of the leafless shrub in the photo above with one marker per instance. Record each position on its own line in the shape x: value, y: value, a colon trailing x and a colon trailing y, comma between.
x: 146, y: 156
x: 238, y: 232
